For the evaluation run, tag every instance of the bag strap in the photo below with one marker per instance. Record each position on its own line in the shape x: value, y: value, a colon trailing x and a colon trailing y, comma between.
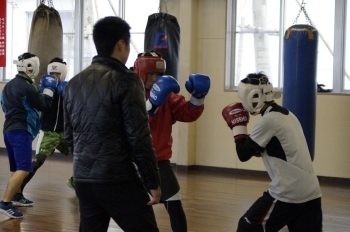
x: 160, y: 6
x: 302, y: 9
x: 49, y: 3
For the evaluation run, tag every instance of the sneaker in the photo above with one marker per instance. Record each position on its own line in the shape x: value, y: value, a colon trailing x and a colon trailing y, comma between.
x: 10, y: 211
x: 20, y: 200
x: 70, y: 183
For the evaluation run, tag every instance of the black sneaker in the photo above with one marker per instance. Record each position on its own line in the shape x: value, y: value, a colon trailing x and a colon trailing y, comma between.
x: 20, y: 200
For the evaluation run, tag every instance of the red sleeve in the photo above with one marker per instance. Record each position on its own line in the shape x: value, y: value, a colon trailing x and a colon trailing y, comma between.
x: 182, y: 110
x: 176, y: 108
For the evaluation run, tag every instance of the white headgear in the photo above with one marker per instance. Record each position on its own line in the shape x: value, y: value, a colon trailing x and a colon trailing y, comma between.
x: 58, y: 67
x: 29, y: 64
x: 254, y: 91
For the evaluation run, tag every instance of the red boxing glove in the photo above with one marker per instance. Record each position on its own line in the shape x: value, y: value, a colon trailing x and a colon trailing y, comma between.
x: 236, y: 118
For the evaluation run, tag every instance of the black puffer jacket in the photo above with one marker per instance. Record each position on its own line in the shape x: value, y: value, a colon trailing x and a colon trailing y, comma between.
x: 106, y: 125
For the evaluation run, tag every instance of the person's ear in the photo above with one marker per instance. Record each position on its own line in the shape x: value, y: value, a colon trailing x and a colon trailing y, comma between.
x: 121, y: 45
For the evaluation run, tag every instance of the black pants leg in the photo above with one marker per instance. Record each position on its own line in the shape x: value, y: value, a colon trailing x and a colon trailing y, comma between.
x: 126, y: 203
x: 270, y: 215
x: 177, y: 216
x: 308, y: 217
x: 37, y: 162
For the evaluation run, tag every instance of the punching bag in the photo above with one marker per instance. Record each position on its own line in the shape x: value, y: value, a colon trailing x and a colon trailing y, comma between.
x: 162, y: 35
x: 46, y: 36
x: 300, y: 85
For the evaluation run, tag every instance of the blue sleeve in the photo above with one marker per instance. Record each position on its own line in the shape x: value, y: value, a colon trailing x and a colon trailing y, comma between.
x: 2, y: 103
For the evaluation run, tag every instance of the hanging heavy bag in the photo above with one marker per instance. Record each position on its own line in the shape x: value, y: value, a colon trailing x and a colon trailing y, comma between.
x: 163, y: 35
x: 46, y: 36
x: 300, y: 67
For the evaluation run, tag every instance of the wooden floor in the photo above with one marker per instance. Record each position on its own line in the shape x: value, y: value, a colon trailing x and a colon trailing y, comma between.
x: 213, y: 201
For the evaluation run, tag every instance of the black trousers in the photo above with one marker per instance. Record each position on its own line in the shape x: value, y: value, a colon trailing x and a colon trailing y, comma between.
x: 126, y: 203
x: 270, y: 215
x: 169, y: 184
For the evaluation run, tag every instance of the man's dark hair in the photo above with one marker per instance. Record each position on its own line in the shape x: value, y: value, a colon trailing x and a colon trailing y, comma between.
x: 256, y: 78
x: 57, y: 59
x: 107, y: 32
x: 149, y: 53
x: 25, y: 56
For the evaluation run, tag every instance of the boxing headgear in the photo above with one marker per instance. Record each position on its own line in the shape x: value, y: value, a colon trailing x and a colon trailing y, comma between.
x: 57, y: 65
x: 149, y: 62
x: 254, y: 91
x: 29, y: 64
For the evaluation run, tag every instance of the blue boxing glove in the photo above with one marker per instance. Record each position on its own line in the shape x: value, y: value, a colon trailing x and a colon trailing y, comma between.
x: 60, y: 88
x: 198, y: 85
x: 49, y: 84
x: 40, y: 88
x: 163, y: 86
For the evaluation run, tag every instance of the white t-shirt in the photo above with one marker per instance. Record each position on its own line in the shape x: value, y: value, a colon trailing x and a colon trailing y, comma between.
x: 286, y: 157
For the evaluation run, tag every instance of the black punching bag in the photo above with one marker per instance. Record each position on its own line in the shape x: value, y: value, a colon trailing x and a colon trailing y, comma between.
x: 163, y: 35
x: 300, y: 85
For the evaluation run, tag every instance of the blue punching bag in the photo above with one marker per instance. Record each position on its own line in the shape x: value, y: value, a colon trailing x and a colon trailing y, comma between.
x: 300, y: 85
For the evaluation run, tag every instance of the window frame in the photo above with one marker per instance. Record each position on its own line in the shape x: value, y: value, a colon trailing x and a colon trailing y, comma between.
x: 78, y: 36
x: 339, y: 47
x: 79, y: 32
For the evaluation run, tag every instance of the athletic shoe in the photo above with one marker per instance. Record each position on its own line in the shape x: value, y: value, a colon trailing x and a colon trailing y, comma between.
x: 70, y: 183
x: 10, y: 211
x: 20, y: 200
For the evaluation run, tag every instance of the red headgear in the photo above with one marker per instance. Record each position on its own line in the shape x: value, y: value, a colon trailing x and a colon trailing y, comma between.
x: 149, y: 62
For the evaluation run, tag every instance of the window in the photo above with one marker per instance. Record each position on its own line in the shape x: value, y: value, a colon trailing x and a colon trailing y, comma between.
x: 78, y: 18
x: 17, y: 31
x: 257, y: 38
x: 67, y: 18
x: 347, y: 50
x: 142, y: 9
x: 18, y: 23
x: 95, y: 10
x: 321, y: 15
x: 255, y: 33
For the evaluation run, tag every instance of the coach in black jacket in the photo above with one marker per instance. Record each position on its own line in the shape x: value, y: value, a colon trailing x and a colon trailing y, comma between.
x: 107, y: 131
